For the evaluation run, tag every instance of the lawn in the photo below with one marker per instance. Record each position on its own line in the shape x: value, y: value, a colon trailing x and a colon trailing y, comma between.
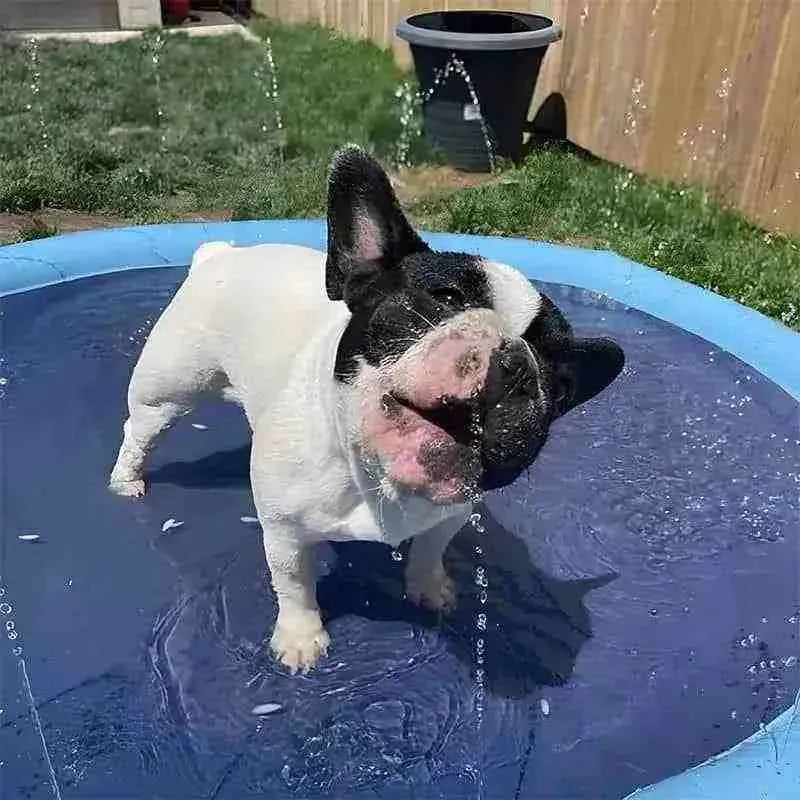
x: 215, y: 150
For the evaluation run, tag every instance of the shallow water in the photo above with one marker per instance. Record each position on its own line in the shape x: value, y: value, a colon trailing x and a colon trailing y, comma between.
x: 641, y: 588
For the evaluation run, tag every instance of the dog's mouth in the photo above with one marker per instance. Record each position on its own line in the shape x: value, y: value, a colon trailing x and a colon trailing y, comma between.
x: 456, y: 417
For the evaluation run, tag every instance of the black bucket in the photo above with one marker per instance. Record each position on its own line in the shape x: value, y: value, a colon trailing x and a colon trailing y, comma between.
x: 502, y: 52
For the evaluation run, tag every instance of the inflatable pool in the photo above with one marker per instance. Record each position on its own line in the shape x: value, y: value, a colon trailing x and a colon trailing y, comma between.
x: 643, y: 576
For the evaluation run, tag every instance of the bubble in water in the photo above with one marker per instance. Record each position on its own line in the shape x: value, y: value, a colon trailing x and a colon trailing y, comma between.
x: 544, y: 705
x: 17, y: 651
x: 397, y: 555
x: 5, y: 608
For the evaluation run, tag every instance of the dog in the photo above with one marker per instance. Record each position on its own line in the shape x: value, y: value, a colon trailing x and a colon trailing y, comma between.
x: 386, y: 386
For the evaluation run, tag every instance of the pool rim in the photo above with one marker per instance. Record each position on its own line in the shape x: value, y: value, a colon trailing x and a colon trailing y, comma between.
x: 759, y: 341
x: 762, y: 343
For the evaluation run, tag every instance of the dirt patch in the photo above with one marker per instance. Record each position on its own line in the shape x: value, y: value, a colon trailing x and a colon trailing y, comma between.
x: 48, y: 222
x: 415, y: 182
x: 52, y: 221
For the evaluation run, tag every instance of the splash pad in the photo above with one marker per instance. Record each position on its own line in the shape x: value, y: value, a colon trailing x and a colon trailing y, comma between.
x: 641, y: 580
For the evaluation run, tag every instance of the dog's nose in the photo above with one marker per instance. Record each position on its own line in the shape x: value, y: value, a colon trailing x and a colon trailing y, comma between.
x: 513, y: 368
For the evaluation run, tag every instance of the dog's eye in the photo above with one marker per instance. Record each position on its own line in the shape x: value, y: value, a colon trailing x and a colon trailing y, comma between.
x: 449, y: 295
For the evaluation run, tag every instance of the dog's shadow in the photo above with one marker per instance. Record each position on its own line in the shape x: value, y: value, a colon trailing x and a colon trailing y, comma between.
x: 532, y: 625
x: 535, y: 625
x: 224, y: 468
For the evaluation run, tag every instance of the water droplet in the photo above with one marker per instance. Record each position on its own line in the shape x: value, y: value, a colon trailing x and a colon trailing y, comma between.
x: 266, y: 708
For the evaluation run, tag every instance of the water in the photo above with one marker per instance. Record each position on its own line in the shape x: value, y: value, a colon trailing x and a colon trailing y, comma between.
x: 182, y: 616
x: 481, y: 617
x: 267, y: 76
x: 153, y: 45
x: 36, y: 106
x: 634, y: 107
x: 411, y: 101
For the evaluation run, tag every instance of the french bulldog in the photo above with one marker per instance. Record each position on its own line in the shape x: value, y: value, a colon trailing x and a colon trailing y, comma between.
x: 386, y: 386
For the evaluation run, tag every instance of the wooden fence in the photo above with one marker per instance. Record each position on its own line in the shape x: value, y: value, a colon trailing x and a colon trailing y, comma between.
x: 705, y: 91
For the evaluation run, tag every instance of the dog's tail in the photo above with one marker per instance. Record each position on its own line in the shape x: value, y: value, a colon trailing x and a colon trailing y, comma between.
x: 206, y: 251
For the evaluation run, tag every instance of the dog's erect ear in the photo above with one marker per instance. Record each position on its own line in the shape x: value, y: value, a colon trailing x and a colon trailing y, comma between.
x: 368, y: 234
x: 583, y: 367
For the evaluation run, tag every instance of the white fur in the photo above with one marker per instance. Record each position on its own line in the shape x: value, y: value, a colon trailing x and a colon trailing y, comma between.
x: 514, y: 297
x: 238, y: 328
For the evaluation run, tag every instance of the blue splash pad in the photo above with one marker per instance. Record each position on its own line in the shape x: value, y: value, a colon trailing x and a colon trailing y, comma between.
x: 642, y: 591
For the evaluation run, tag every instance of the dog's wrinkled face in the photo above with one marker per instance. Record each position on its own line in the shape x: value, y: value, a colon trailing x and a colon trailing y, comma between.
x: 456, y: 366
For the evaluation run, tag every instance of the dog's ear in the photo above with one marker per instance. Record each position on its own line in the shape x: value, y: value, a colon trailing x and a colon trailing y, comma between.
x: 586, y: 367
x: 582, y: 367
x: 368, y: 234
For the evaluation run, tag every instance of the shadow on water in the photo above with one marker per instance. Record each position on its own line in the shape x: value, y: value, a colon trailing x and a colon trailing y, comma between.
x: 536, y: 624
x: 225, y: 468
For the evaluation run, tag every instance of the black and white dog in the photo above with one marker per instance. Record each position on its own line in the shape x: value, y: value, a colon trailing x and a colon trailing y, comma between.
x: 386, y: 385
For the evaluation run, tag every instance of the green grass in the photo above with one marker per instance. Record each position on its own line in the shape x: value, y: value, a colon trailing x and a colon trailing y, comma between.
x: 216, y: 147
x: 216, y: 144
x: 560, y: 196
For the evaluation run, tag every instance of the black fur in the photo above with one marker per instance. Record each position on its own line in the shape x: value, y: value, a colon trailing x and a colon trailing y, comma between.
x: 394, y: 298
x: 581, y: 368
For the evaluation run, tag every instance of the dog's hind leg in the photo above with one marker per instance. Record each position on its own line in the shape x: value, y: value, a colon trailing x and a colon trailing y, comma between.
x: 168, y: 382
x: 144, y: 425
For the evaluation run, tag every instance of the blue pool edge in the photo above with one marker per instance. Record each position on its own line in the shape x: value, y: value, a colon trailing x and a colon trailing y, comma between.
x: 761, y: 765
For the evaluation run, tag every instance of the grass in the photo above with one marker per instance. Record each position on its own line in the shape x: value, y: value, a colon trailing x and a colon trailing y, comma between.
x: 557, y: 195
x: 216, y: 148
x: 215, y: 145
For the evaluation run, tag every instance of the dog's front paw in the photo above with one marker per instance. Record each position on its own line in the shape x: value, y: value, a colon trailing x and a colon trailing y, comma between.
x: 134, y: 488
x: 434, y: 590
x: 297, y: 642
